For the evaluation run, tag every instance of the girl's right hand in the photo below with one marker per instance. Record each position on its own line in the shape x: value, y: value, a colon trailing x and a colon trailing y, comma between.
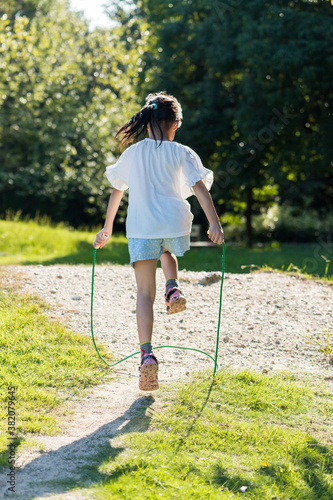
x: 101, y: 238
x: 215, y: 234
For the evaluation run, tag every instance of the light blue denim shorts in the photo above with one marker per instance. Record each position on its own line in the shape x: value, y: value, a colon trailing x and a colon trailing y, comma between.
x: 146, y: 249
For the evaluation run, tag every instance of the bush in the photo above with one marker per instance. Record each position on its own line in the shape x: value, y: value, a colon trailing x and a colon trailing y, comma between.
x: 282, y: 223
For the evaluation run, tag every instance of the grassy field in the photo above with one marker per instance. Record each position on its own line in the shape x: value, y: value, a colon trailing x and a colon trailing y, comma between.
x: 33, y: 243
x: 257, y: 436
x: 46, y: 363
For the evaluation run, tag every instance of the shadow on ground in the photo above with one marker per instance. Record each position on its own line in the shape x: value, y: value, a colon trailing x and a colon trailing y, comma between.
x: 77, y: 464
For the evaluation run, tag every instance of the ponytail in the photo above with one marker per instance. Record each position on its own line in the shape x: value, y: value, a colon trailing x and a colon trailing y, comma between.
x: 159, y: 107
x: 137, y: 126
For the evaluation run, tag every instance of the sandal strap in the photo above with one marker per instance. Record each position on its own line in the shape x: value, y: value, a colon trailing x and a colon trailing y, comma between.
x: 171, y: 291
x: 151, y: 355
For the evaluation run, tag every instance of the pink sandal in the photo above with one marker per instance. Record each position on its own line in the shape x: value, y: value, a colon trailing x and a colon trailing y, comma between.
x: 148, y: 380
x: 175, y: 301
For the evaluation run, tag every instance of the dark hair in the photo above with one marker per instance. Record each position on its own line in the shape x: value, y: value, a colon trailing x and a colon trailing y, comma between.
x: 159, y: 108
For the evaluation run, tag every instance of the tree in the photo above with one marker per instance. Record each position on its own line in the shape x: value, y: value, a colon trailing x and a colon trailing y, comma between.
x: 254, y: 79
x: 63, y: 93
x: 23, y: 8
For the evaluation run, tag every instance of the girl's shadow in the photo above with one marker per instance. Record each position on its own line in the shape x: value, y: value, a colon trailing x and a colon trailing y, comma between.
x: 77, y: 464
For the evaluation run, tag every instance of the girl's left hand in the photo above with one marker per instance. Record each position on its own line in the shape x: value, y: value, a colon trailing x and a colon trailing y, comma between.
x: 101, y: 238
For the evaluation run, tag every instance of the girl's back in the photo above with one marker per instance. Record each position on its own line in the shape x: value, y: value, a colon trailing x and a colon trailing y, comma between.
x: 160, y: 177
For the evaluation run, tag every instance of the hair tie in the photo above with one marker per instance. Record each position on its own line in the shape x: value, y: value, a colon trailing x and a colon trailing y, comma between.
x: 153, y: 106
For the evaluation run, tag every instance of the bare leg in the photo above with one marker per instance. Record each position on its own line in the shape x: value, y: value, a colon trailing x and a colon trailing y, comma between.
x: 169, y: 265
x: 175, y: 301
x: 145, y: 274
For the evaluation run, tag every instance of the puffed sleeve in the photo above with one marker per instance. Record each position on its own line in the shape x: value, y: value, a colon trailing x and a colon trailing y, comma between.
x: 193, y: 171
x: 118, y: 174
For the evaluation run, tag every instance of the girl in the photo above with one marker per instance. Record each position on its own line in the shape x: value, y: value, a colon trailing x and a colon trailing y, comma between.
x: 160, y: 174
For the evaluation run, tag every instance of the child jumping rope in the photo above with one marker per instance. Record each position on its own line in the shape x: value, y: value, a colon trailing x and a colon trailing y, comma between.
x: 160, y: 175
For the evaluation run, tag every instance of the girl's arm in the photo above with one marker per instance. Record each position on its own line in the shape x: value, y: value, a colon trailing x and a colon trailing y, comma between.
x: 215, y: 231
x: 104, y: 235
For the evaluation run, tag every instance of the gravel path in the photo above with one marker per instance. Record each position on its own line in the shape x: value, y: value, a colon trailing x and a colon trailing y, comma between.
x: 267, y: 320
x: 270, y: 321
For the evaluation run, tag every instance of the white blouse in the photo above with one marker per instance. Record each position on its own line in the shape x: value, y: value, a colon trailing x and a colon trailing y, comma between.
x: 160, y: 177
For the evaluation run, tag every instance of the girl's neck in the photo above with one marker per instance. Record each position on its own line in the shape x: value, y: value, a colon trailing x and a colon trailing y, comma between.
x: 168, y: 135
x: 158, y: 137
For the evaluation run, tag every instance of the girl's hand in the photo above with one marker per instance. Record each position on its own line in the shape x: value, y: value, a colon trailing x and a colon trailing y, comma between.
x: 215, y: 234
x: 101, y: 238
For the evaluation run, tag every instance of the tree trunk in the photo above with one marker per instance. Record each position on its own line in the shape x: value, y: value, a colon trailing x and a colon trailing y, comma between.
x: 248, y: 214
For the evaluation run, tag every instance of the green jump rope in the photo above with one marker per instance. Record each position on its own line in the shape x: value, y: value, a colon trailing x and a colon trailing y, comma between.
x: 161, y: 346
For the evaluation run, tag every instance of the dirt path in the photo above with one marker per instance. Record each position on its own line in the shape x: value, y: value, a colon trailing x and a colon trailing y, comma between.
x: 268, y: 322
x: 108, y: 411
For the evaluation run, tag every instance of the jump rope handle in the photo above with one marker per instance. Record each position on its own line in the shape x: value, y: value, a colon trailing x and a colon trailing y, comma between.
x: 104, y: 236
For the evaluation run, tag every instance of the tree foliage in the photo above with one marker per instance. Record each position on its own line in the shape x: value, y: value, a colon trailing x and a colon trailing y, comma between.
x: 255, y: 82
x: 63, y: 91
x: 254, y: 79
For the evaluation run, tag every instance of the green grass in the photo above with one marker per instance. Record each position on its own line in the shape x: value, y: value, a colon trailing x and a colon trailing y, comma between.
x: 269, y: 433
x: 239, y: 259
x: 45, y: 362
x: 35, y: 243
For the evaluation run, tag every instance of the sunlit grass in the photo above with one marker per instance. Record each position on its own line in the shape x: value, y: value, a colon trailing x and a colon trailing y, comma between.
x: 266, y: 434
x: 293, y: 258
x: 33, y: 243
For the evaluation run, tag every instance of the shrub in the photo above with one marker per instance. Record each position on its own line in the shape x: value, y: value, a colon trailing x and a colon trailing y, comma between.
x: 282, y: 223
